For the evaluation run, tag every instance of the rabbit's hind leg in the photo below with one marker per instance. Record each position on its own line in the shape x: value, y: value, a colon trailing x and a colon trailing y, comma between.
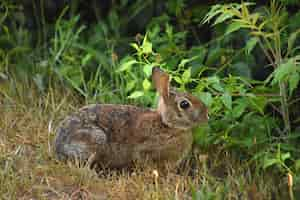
x: 82, y: 143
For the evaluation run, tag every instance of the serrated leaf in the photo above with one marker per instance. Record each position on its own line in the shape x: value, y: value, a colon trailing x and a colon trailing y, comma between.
x: 146, y: 84
x: 206, y: 98
x: 293, y: 82
x: 135, y: 94
x: 234, y: 26
x: 251, y: 44
x: 227, y: 100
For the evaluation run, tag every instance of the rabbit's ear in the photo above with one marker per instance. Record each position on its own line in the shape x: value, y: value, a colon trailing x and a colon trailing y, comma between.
x: 161, y: 82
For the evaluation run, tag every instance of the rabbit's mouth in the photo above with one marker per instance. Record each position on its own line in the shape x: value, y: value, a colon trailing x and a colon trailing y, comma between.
x: 182, y: 124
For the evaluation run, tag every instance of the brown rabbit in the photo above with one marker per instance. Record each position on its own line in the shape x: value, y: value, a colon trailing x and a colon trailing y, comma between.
x: 118, y: 135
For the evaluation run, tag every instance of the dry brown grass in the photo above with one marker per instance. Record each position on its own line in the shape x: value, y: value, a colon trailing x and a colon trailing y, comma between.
x: 29, y: 170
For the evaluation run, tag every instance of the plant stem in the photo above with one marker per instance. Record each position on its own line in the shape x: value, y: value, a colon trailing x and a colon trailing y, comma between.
x: 291, y: 194
x: 282, y: 88
x: 284, y: 107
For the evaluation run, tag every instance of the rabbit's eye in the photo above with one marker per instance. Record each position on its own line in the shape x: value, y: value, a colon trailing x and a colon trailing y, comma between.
x: 184, y: 104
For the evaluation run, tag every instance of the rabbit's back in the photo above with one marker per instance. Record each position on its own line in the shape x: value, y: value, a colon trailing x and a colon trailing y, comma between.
x: 118, y: 135
x: 96, y: 128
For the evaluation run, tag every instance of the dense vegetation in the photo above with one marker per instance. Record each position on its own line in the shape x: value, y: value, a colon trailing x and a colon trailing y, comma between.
x: 241, y: 59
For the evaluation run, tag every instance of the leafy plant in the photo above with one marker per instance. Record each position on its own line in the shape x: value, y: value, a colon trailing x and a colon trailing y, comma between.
x: 266, y: 28
x: 268, y: 31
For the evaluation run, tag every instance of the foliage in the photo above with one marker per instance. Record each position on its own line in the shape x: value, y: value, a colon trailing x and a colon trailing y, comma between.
x: 241, y: 59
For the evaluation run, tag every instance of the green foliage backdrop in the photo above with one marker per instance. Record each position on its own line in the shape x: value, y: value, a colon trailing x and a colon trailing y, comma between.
x: 241, y: 59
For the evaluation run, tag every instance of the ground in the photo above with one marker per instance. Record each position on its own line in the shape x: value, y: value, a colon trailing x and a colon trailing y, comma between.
x: 29, y: 169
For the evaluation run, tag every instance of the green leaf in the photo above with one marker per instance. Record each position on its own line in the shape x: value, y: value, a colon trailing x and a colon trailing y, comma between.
x: 285, y: 156
x: 183, y: 62
x: 269, y: 162
x: 135, y: 94
x: 239, y: 109
x: 148, y: 69
x: 293, y: 82
x: 86, y: 59
x: 214, y: 56
x: 76, y: 86
x: 202, y: 135
x: 213, y: 79
x: 283, y: 70
x: 227, y: 100
x: 146, y: 46
x: 234, y: 26
x: 72, y: 74
x: 258, y: 103
x: 186, y: 76
x: 177, y: 79
x: 206, y: 98
x: 130, y: 85
x: 126, y: 65
x: 241, y: 69
x: 214, y: 11
x: 146, y: 84
x: 218, y: 87
x: 291, y: 40
x: 251, y: 44
x: 169, y: 31
x: 223, y: 17
x: 135, y: 46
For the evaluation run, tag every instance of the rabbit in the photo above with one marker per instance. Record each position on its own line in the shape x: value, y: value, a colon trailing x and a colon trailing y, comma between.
x: 115, y: 136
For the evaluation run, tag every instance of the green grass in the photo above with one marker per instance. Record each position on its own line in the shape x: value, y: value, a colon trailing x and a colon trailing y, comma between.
x: 248, y: 148
x: 29, y: 169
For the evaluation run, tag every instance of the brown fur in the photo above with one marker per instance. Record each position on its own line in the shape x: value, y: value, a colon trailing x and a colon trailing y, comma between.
x: 118, y: 135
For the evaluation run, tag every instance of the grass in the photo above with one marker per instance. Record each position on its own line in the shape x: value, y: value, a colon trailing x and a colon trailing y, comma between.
x: 29, y: 169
